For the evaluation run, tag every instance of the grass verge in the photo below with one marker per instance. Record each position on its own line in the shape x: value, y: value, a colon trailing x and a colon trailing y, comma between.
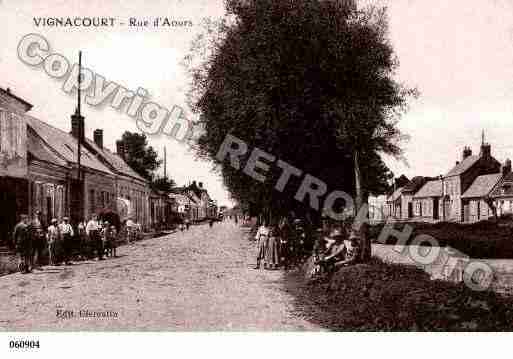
x: 389, y: 297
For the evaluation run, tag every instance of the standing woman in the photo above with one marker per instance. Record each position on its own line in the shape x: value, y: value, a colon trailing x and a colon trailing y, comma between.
x: 272, y: 255
x: 262, y: 237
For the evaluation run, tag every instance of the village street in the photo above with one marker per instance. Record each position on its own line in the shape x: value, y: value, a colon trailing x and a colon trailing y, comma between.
x: 197, y: 280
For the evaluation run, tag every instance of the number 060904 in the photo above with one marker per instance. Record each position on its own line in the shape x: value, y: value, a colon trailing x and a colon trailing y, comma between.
x: 24, y: 344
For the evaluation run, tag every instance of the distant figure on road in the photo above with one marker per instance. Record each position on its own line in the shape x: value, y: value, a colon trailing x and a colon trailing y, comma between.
x: 67, y: 234
x: 93, y: 232
x: 52, y: 238
x: 22, y: 241
x: 211, y: 222
x: 187, y: 223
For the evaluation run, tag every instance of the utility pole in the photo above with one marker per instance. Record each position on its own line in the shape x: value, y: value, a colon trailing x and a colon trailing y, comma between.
x: 165, y: 163
x: 79, y: 117
x: 77, y: 187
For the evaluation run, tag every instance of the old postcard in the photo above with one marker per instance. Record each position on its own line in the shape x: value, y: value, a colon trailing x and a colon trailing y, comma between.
x: 243, y: 165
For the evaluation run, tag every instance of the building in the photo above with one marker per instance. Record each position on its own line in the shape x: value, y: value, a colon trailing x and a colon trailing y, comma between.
x: 198, y: 204
x: 476, y: 199
x: 39, y: 171
x: 426, y: 202
x: 14, y: 187
x: 459, y: 179
x: 132, y: 191
x: 502, y: 193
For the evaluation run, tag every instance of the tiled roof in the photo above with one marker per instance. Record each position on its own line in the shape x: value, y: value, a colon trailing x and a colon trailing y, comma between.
x: 482, y: 185
x: 430, y: 189
x: 115, y: 161
x: 394, y: 196
x: 40, y: 150
x: 463, y: 166
x: 65, y: 144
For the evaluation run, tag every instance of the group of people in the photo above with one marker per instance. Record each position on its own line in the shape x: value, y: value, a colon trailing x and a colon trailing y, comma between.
x: 282, y: 244
x: 32, y: 239
x: 327, y: 248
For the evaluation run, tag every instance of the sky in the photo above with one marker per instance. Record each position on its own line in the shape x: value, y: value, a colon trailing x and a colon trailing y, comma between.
x: 458, y: 54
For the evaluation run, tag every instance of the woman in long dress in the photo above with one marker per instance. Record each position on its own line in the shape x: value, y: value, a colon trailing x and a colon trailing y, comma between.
x: 262, y: 237
x: 272, y: 255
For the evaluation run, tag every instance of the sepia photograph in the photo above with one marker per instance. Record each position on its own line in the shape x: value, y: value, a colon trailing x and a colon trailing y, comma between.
x: 255, y: 166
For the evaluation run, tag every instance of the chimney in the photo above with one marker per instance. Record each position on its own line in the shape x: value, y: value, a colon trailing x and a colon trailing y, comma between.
x: 506, y: 167
x: 200, y: 184
x: 466, y: 152
x: 98, y: 137
x: 77, y: 125
x: 120, y: 149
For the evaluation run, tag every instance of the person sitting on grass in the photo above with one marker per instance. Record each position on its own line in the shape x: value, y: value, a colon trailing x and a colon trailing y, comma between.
x: 335, y: 251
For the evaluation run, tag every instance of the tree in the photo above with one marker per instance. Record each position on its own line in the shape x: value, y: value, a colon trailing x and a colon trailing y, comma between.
x: 163, y: 184
x: 138, y: 155
x: 310, y: 82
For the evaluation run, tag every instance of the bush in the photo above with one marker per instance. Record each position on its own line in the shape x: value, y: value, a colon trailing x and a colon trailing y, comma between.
x: 485, y: 239
x: 379, y: 296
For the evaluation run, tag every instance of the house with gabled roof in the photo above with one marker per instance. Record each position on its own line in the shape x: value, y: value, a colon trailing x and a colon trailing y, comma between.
x: 400, y: 202
x: 426, y: 201
x: 455, y: 195
x: 57, y: 193
x: 502, y: 193
x: 476, y: 200
x: 132, y: 190
x: 459, y: 179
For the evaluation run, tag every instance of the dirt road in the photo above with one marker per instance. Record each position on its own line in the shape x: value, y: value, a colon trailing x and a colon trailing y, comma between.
x: 201, y: 279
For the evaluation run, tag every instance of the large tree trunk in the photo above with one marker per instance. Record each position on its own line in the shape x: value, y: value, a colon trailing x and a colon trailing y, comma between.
x: 365, y: 245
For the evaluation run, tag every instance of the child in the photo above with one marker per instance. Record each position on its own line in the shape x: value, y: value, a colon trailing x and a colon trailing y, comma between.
x: 111, y: 241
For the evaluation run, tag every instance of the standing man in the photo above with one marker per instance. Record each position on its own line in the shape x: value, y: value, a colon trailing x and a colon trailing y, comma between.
x: 67, y: 239
x: 82, y: 238
x: 22, y: 241
x: 130, y: 230
x: 93, y: 232
x: 37, y: 233
x: 52, y: 236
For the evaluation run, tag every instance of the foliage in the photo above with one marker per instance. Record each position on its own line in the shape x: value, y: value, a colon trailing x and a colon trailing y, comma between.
x: 164, y: 184
x: 309, y: 82
x: 138, y: 155
x: 380, y: 296
x: 484, y: 239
